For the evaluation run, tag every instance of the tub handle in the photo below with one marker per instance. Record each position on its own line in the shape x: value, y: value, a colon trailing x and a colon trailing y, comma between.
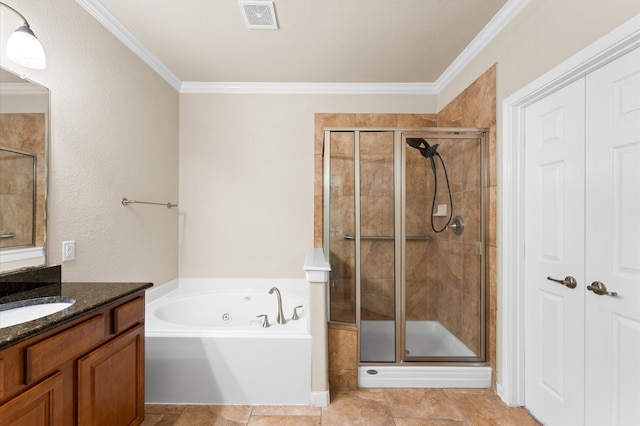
x: 265, y: 320
x: 295, y: 313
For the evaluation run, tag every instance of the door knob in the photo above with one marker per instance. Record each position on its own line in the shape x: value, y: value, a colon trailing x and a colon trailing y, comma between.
x: 600, y: 289
x: 568, y: 281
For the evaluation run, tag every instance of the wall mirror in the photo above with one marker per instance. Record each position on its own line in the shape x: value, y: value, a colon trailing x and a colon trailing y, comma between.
x: 24, y: 134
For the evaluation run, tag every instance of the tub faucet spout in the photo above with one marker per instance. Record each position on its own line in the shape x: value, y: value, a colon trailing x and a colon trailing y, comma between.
x: 280, y: 318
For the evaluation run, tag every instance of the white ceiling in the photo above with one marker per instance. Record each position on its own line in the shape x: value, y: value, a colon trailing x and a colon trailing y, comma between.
x: 324, y: 41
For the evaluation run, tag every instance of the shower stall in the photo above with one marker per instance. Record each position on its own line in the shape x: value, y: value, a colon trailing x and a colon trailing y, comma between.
x: 405, y: 234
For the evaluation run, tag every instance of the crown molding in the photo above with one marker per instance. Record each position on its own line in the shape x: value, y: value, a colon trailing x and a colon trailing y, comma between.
x: 115, y: 27
x: 310, y: 88
x: 504, y: 16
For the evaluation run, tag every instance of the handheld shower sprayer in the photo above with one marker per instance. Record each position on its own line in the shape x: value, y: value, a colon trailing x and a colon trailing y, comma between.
x: 429, y: 152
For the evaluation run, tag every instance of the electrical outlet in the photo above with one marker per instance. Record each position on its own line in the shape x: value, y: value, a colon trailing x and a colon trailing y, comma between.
x: 68, y: 250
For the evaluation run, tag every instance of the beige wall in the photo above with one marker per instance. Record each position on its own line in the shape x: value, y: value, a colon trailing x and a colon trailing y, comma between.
x: 546, y: 33
x: 114, y: 134
x: 247, y: 178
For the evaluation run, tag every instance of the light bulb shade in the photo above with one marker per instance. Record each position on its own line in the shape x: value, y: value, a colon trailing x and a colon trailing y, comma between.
x: 23, y: 48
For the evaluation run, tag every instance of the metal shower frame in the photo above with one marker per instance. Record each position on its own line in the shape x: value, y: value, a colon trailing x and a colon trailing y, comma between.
x: 399, y: 152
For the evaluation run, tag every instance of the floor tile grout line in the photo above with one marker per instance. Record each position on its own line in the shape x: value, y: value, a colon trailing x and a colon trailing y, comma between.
x: 446, y: 392
x: 386, y: 400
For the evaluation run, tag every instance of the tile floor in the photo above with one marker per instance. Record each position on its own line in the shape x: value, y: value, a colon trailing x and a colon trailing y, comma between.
x: 400, y: 407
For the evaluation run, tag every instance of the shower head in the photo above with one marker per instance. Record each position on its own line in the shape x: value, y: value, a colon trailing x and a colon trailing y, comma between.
x: 415, y: 142
x: 428, y: 151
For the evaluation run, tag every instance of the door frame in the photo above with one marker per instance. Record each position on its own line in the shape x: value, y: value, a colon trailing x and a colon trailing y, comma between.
x: 510, y: 214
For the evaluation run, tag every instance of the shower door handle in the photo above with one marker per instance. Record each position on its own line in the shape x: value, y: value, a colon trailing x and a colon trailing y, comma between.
x: 568, y: 281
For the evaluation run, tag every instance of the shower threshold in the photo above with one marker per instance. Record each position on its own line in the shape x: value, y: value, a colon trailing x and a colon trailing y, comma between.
x: 424, y: 376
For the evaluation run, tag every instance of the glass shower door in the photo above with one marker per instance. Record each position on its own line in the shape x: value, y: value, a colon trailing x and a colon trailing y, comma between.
x: 444, y: 307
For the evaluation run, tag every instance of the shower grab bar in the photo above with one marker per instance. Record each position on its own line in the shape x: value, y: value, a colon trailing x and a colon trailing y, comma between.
x: 9, y: 235
x: 385, y: 237
x: 167, y: 205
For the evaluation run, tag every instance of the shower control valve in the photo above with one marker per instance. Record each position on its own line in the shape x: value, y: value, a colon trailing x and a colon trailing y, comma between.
x: 457, y: 225
x: 265, y: 320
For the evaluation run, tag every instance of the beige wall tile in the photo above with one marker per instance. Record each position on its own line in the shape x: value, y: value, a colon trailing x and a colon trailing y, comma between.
x: 452, y: 295
x: 343, y: 348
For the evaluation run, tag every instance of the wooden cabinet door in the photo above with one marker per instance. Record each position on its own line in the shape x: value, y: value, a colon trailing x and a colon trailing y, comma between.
x: 111, y: 382
x: 40, y: 405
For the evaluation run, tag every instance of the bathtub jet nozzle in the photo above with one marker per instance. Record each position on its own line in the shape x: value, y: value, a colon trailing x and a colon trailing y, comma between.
x: 280, y: 318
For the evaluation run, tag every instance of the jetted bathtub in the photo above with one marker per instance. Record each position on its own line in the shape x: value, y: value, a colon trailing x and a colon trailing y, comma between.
x: 206, y: 345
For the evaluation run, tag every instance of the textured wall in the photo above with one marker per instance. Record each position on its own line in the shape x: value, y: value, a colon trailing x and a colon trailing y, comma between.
x: 247, y: 179
x: 546, y: 33
x: 113, y: 134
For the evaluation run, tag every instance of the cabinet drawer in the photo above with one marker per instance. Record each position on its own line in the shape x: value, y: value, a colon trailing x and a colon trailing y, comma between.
x: 49, y: 354
x: 128, y: 314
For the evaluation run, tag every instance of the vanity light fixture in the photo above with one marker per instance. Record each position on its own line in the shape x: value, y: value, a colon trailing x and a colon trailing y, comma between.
x: 23, y: 48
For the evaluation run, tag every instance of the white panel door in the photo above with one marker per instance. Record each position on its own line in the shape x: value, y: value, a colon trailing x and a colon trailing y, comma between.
x: 554, y: 238
x: 613, y: 243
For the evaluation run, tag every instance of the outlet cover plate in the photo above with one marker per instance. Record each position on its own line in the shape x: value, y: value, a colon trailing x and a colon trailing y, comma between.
x: 68, y: 250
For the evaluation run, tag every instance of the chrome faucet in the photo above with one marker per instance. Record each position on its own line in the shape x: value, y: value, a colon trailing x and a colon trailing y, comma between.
x: 280, y: 318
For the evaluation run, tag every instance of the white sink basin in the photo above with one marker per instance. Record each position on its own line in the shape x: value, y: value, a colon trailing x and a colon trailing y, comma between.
x: 33, y: 309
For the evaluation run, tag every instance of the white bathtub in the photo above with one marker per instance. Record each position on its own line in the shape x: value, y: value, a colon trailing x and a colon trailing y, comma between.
x: 204, y: 344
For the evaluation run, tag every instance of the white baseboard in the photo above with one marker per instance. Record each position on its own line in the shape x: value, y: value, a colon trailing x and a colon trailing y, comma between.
x: 320, y: 399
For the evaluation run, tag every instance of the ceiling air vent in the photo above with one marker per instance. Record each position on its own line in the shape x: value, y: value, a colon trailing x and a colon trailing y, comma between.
x: 259, y: 15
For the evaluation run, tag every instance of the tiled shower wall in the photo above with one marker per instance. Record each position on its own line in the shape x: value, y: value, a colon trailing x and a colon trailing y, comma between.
x: 476, y: 108
x: 25, y: 133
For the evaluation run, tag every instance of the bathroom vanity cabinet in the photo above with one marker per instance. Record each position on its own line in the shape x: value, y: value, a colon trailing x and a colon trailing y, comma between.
x: 88, y: 371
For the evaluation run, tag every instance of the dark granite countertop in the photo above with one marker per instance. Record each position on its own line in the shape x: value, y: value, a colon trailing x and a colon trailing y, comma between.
x: 88, y: 297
